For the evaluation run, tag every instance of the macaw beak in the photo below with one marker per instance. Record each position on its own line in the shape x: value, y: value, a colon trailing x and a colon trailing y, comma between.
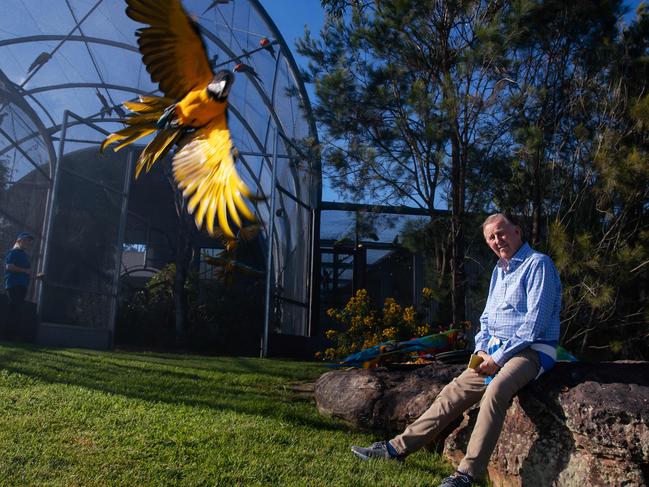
x: 219, y: 87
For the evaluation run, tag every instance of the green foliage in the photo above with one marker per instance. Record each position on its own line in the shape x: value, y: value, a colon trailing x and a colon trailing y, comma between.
x: 360, y: 325
x: 220, y: 318
x: 605, y: 225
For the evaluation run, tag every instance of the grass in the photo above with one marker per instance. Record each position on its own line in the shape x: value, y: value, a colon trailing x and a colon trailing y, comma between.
x: 78, y: 417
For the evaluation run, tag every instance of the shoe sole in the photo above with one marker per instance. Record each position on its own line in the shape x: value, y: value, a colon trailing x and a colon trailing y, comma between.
x: 360, y: 455
x: 363, y: 456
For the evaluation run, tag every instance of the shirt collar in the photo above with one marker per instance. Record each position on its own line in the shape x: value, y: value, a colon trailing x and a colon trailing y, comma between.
x: 521, y: 254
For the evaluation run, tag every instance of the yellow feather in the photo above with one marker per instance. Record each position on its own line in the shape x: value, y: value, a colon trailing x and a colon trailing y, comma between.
x: 109, y: 140
x: 175, y: 56
x: 223, y: 218
x: 202, y: 209
x: 204, y: 169
x: 156, y: 101
x: 133, y: 138
x: 211, y: 215
x: 242, y: 207
x: 139, y: 107
x: 243, y: 189
x: 146, y: 119
x: 131, y: 135
x: 167, y: 138
x: 159, y: 146
x: 201, y: 191
x: 232, y: 209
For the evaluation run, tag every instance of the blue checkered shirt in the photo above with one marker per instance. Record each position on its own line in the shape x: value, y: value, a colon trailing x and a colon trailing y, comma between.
x: 523, y: 305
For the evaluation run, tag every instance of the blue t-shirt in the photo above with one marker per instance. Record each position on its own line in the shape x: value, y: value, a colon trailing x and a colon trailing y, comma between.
x: 19, y: 258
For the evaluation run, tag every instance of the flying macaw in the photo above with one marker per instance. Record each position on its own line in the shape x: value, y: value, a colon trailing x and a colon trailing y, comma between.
x: 192, y: 113
x: 227, y: 266
x: 430, y: 344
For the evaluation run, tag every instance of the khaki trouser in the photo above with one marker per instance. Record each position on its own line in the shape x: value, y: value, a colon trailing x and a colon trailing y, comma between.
x: 458, y: 396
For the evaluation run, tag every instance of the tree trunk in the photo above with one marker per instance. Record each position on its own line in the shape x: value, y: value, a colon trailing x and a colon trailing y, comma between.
x: 537, y: 203
x: 183, y: 259
x: 457, y: 234
x: 184, y: 254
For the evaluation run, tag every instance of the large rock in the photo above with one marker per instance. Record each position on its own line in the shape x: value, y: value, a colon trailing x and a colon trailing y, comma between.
x: 380, y: 399
x: 580, y: 424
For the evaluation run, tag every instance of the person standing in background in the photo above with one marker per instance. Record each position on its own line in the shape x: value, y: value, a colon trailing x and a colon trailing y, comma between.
x: 17, y: 277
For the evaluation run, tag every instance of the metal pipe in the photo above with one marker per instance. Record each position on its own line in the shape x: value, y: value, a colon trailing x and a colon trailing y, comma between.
x: 315, y: 262
x: 126, y: 187
x: 269, y: 257
x: 50, y: 211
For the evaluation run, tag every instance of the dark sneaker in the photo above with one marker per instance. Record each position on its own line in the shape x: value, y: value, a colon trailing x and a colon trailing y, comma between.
x: 457, y: 480
x: 375, y: 450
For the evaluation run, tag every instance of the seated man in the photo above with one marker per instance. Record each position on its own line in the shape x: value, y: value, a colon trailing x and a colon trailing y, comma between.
x: 519, y: 332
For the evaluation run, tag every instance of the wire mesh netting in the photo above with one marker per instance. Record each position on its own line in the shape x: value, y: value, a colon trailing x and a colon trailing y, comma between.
x: 25, y: 156
x: 80, y: 56
x: 84, y: 250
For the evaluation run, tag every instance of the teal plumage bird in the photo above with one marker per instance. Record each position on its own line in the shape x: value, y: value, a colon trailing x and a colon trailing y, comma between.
x: 430, y: 344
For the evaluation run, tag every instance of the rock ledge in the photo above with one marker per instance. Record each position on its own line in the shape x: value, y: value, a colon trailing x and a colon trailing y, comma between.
x: 580, y: 424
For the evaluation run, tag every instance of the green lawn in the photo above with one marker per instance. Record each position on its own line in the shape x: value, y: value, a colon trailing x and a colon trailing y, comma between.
x: 78, y: 417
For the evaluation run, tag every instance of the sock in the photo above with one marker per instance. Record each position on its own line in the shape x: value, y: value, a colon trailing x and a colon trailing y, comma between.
x: 391, y: 450
x: 464, y: 475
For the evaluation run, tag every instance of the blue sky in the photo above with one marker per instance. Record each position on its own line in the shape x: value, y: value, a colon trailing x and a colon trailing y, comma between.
x: 291, y: 17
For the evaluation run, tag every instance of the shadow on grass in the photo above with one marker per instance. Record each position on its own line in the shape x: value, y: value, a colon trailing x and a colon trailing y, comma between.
x: 242, y: 385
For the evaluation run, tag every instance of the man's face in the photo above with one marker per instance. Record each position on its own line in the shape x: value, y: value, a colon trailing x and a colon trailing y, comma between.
x: 503, y: 238
x: 25, y: 243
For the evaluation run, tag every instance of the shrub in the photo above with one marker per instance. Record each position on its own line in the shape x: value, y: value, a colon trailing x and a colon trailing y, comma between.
x: 361, y: 325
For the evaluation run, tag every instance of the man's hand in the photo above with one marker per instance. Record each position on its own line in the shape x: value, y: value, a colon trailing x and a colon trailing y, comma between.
x: 488, y: 367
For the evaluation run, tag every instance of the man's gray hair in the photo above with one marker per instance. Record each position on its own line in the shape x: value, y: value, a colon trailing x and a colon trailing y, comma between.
x: 507, y: 216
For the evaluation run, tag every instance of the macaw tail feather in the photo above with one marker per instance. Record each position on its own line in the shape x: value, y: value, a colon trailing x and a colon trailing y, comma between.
x: 157, y: 148
x: 126, y: 135
x: 142, y: 121
x: 564, y: 355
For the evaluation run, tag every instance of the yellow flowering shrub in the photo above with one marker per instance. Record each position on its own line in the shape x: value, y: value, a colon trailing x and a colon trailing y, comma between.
x: 360, y: 325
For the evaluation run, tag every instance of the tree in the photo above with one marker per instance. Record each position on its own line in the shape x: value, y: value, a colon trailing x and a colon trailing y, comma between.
x: 557, y: 65
x: 536, y: 107
x: 407, y: 97
x: 600, y: 237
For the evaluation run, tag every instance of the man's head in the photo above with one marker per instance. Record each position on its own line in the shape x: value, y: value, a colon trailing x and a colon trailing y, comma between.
x: 24, y: 240
x: 502, y: 235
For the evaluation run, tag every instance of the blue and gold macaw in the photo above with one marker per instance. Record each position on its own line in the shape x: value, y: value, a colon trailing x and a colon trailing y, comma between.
x: 192, y: 113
